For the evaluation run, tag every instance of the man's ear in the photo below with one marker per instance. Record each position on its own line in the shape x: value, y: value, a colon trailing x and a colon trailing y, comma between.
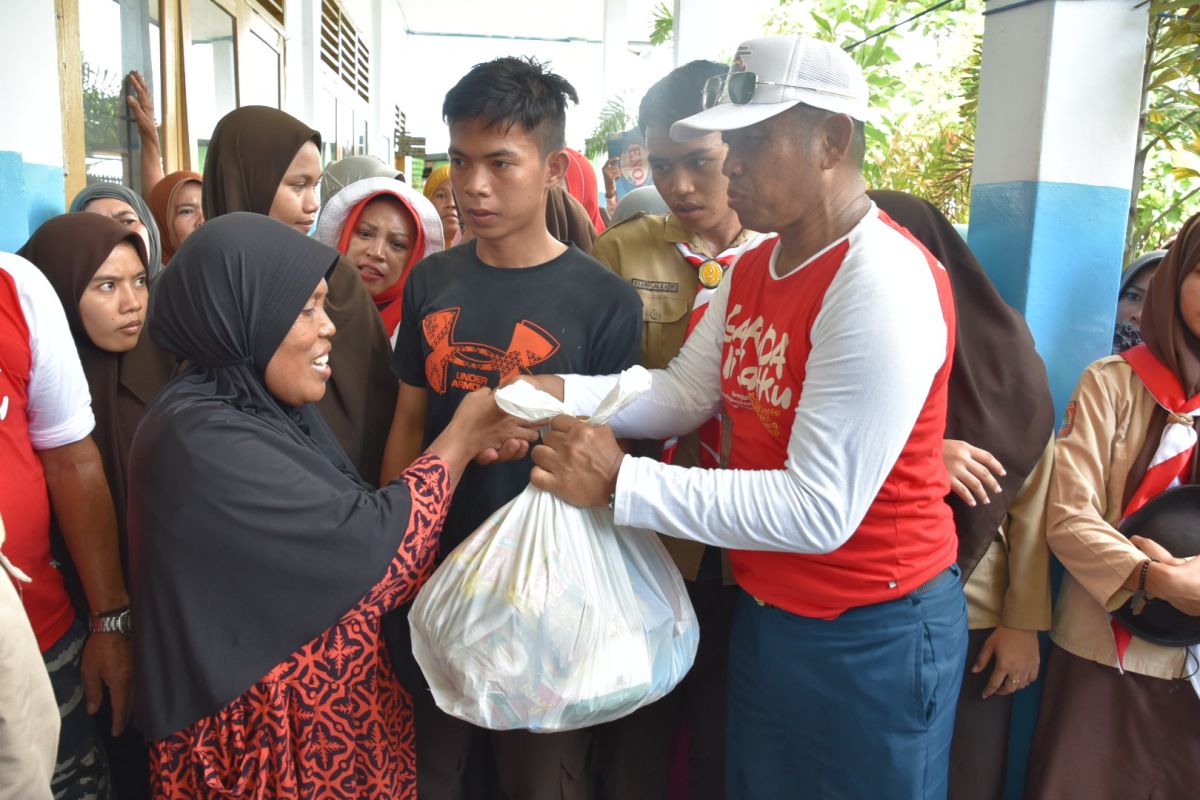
x: 556, y: 163
x: 837, y: 136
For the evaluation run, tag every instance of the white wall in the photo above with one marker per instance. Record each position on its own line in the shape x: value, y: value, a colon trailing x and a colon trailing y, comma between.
x: 29, y: 83
x: 442, y: 60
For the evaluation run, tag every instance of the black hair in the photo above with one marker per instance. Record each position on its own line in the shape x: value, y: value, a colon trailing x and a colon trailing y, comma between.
x: 514, y: 91
x: 678, y: 95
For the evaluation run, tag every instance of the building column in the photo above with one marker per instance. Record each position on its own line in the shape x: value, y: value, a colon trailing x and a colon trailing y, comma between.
x: 1059, y: 101
x: 701, y: 29
x: 615, y: 43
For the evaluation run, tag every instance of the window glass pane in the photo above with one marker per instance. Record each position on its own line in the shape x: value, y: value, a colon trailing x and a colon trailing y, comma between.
x: 260, y: 83
x: 114, y: 36
x: 211, y: 74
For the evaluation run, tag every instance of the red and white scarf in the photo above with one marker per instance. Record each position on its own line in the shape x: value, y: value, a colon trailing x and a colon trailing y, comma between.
x: 1171, y: 462
x: 709, y: 431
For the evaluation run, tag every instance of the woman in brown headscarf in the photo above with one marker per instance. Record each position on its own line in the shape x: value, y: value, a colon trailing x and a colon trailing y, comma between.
x: 265, y: 161
x: 175, y: 203
x: 97, y: 267
x: 567, y: 219
x: 999, y: 412
x: 1118, y: 716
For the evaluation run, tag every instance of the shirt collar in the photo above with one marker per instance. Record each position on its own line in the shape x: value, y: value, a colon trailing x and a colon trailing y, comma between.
x: 674, y: 232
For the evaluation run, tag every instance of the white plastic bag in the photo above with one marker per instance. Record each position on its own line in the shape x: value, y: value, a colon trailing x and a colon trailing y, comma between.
x: 550, y: 617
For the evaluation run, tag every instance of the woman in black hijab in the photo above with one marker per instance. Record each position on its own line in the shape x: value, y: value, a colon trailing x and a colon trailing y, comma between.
x: 98, y: 268
x: 999, y: 412
x: 265, y: 161
x: 261, y: 562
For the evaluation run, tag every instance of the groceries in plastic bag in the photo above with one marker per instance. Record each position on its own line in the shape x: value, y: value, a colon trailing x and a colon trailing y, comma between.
x: 550, y: 617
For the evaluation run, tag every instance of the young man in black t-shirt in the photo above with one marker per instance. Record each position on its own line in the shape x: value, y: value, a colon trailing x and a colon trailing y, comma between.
x: 513, y: 301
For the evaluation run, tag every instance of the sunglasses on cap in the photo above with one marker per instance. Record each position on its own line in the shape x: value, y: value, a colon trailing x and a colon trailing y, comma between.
x: 739, y: 88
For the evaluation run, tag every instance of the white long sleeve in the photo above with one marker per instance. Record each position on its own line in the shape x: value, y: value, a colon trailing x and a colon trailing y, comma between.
x: 681, y: 397
x: 59, y: 403
x: 877, y: 344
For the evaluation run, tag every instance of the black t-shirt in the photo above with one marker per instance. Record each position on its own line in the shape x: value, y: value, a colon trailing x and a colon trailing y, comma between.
x: 467, y: 325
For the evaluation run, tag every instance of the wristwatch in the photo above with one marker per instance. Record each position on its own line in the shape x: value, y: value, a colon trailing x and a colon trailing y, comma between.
x: 118, y: 620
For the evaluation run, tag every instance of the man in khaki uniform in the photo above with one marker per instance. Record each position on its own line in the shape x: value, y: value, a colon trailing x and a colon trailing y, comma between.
x: 675, y: 262
x: 29, y: 721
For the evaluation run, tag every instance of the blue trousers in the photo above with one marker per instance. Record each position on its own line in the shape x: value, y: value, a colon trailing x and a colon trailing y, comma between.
x: 856, y: 708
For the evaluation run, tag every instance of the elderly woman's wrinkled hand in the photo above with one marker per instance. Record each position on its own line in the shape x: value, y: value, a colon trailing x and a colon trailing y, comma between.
x: 493, y: 435
x: 577, y: 462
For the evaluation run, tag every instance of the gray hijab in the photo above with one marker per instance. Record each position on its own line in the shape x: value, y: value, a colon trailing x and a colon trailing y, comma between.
x: 352, y: 169
x: 100, y: 191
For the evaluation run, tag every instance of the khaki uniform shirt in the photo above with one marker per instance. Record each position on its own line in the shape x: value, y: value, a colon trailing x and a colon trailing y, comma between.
x: 642, y: 250
x: 1102, y: 433
x: 1010, y: 585
x: 29, y: 722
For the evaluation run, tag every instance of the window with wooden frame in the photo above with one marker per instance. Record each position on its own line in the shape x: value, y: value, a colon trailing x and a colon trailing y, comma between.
x: 343, y: 97
x: 200, y: 59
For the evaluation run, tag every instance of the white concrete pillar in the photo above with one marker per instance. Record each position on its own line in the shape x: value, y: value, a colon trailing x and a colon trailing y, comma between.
x: 1057, y: 129
x: 616, y: 42
x: 699, y: 29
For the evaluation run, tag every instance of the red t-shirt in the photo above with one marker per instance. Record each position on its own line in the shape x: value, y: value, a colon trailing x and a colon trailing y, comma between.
x: 907, y: 536
x: 44, y: 403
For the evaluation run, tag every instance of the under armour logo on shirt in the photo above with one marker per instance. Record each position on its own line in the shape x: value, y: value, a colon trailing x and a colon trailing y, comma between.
x: 529, y: 346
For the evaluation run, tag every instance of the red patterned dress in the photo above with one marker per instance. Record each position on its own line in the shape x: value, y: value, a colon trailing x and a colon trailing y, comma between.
x: 331, y: 722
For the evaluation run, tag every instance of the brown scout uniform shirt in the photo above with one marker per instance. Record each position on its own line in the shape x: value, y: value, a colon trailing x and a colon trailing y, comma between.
x: 642, y: 250
x: 1102, y: 433
x: 1011, y: 584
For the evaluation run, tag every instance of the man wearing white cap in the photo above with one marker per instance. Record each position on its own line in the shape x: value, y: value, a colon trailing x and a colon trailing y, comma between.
x: 827, y: 351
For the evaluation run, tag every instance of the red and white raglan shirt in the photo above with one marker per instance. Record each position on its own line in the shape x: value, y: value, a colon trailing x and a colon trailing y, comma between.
x: 834, y: 380
x: 44, y: 403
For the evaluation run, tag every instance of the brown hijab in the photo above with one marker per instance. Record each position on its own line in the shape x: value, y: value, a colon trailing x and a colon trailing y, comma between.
x: 162, y: 205
x: 999, y: 394
x: 567, y: 219
x: 248, y: 156
x: 69, y: 249
x: 1170, y: 340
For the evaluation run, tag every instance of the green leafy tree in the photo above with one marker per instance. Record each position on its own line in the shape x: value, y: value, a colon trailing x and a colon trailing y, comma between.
x: 922, y: 66
x: 1166, y: 174
x: 102, y: 106
x: 614, y: 118
x: 662, y: 24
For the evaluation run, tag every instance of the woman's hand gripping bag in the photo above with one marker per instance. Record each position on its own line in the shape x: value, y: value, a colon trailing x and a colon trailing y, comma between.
x: 550, y: 617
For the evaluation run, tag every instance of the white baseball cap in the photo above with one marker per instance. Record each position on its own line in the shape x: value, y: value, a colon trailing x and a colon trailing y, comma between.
x: 787, y: 70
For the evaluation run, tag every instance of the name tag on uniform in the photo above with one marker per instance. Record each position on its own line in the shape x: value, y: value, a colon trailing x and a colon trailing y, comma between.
x: 655, y: 286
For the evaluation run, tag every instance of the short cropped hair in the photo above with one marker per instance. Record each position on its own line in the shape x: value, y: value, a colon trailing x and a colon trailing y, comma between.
x: 810, y: 117
x: 678, y: 95
x: 514, y: 91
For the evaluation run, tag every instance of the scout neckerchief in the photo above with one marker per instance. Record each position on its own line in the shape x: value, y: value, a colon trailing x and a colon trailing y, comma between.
x: 709, y: 272
x: 1171, y: 461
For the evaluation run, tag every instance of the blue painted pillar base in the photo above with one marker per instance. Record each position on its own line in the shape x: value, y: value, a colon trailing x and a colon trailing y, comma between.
x: 29, y: 195
x: 1054, y: 251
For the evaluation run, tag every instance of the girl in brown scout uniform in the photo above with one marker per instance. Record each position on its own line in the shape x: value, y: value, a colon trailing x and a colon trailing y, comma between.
x: 1118, y: 719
